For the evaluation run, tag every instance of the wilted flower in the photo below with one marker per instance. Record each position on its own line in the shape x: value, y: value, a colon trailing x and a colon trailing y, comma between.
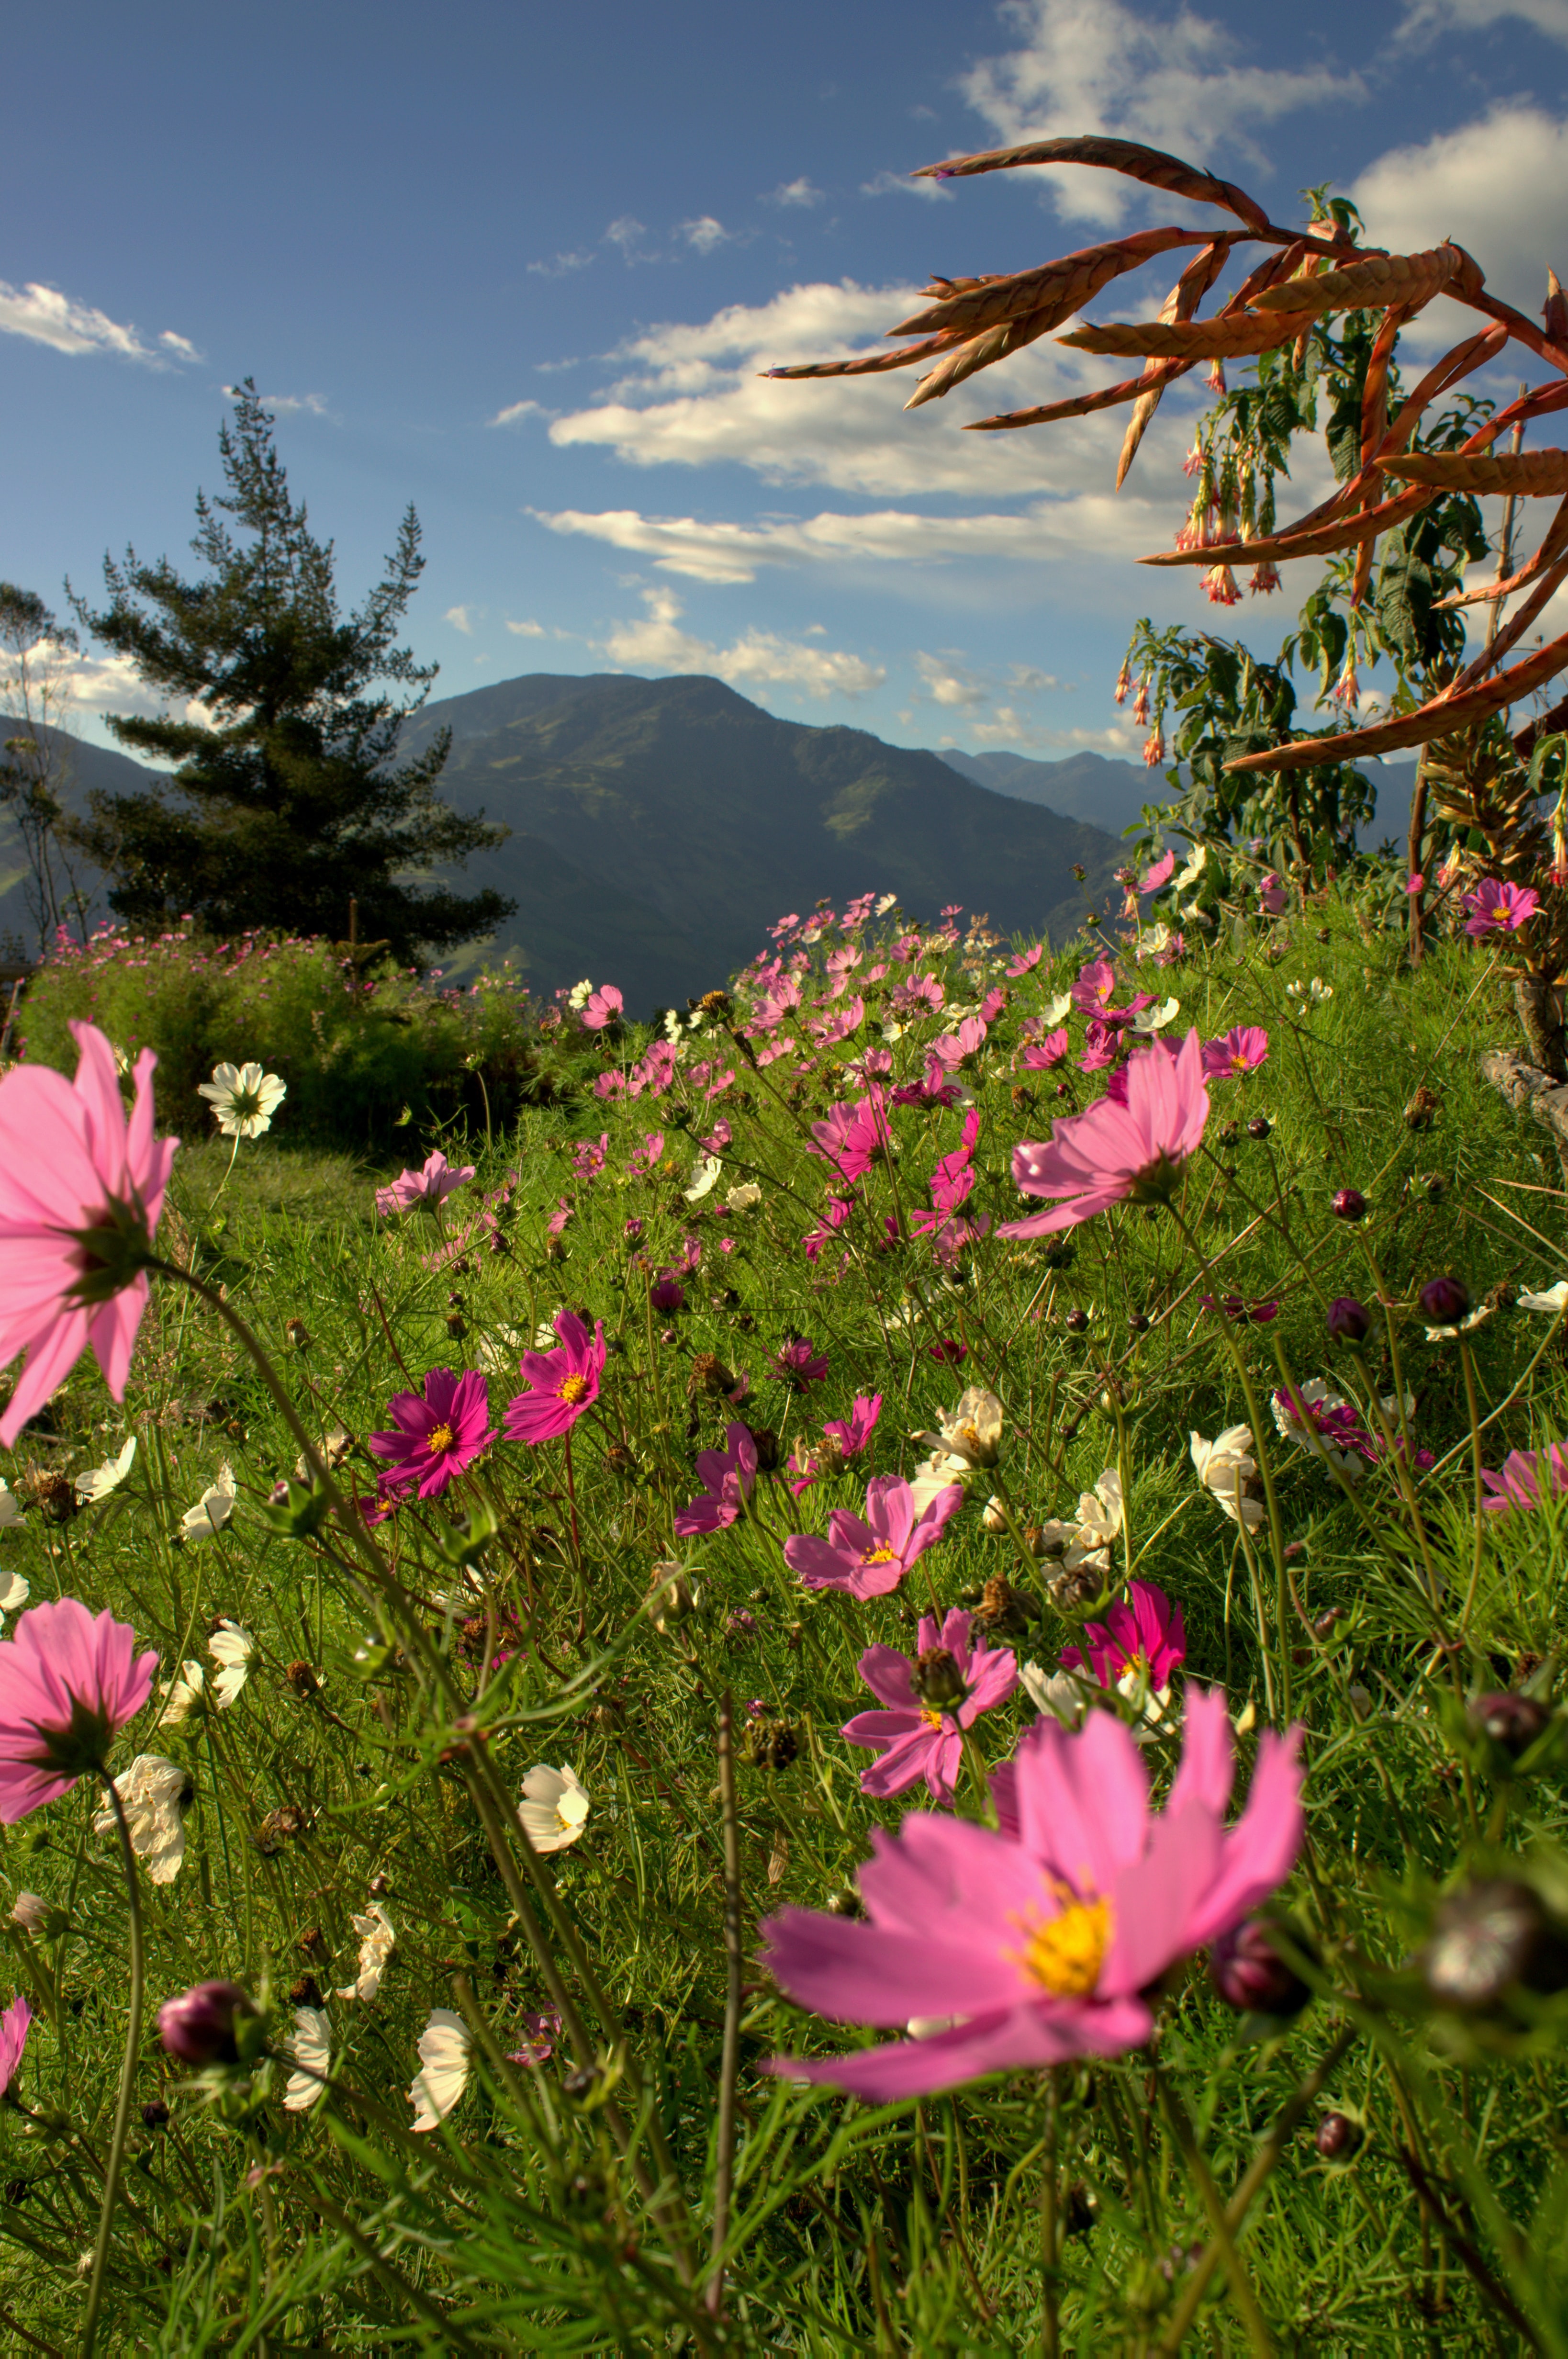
x: 377, y: 1943
x: 444, y: 2046
x: 244, y: 1098
x: 91, y: 1488
x: 311, y: 2049
x: 206, y: 1519
x: 554, y: 1809
x: 153, y: 1795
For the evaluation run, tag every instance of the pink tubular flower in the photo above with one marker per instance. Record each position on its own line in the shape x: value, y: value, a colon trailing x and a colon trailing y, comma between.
x: 1495, y: 909
x: 69, y: 1682
x: 1240, y: 1051
x: 428, y: 1186
x: 604, y: 1006
x: 434, y: 1434
x: 1264, y: 577
x: 1114, y: 1154
x: 80, y: 1191
x: 14, y: 2025
x: 1219, y: 585
x: 930, y: 1700
x: 1042, y: 1946
x: 1526, y: 1473
x: 869, y: 1559
x: 562, y: 1383
x: 727, y: 1477
x: 1142, y: 1632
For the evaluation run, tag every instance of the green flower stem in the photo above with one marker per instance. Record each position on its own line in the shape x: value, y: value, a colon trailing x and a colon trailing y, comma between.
x: 1225, y: 2244
x: 1471, y: 1398
x: 127, y: 2076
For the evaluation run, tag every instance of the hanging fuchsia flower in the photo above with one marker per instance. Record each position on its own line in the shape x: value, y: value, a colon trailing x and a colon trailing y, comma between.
x: 69, y: 1682
x: 434, y: 1435
x: 81, y: 1192
x: 561, y: 1383
x: 1240, y: 1051
x: 929, y: 1703
x: 1141, y: 1633
x: 1527, y: 1474
x: 1042, y: 1946
x: 1114, y: 1154
x: 429, y: 1186
x: 1495, y: 909
x: 870, y: 1557
x: 797, y: 1363
x: 604, y: 1007
x: 14, y: 2025
x: 727, y: 1477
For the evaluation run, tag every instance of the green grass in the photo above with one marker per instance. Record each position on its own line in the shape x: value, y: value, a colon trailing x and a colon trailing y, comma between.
x: 536, y: 2220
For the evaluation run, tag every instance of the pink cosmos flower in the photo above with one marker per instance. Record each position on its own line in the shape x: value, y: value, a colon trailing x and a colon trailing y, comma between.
x: 955, y: 1050
x: 853, y: 1136
x: 558, y: 1219
x: 434, y: 1434
x: 81, y: 1192
x: 929, y: 1702
x: 1042, y: 1946
x: 797, y: 1363
x: 1525, y: 1474
x: 1162, y: 871
x: 1114, y: 1154
x: 1240, y: 1051
x: 993, y: 1005
x: 69, y: 1682
x: 562, y: 1383
x: 1272, y: 895
x: 1096, y: 987
x: 1025, y: 960
x: 1141, y: 1633
x: 727, y: 1477
x: 13, y: 2039
x: 1415, y: 883
x: 428, y: 1186
x: 589, y: 1157
x: 870, y: 1559
x: 949, y: 1352
x: 604, y: 1007
x: 835, y: 1212
x: 541, y: 2033
x: 1100, y: 1045
x: 667, y: 1293
x: 1042, y: 1055
x: 852, y: 1433
x: 1495, y: 909
x: 643, y: 1160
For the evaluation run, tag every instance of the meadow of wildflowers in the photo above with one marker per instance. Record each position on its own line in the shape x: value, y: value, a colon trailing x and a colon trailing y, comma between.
x: 889, y: 1682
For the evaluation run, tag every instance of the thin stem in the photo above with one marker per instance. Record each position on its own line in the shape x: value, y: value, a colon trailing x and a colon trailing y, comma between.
x: 1191, y: 2154
x: 127, y: 2076
x: 730, y: 2060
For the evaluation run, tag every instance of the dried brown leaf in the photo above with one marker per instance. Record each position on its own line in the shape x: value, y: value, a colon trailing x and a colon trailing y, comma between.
x: 1150, y: 165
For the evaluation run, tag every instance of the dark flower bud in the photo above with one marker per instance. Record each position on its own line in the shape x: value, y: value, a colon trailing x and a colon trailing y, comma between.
x: 1138, y: 1321
x: 154, y: 2114
x: 1444, y: 1301
x: 1512, y: 1721
x: 302, y: 1679
x: 938, y: 1682
x: 456, y: 1325
x: 1080, y: 2209
x: 1323, y: 1627
x: 1347, y: 1320
x: 1489, y: 1937
x: 766, y: 1442
x: 1338, y: 2137
x: 845, y: 1902
x: 1349, y: 1204
x: 1230, y: 1135
x: 313, y: 1942
x: 1249, y: 1974
x: 379, y: 1887
x: 1421, y: 1110
x: 298, y: 1334
x: 200, y: 2026
x: 771, y: 1745
x: 1259, y: 1127
x: 1075, y: 1321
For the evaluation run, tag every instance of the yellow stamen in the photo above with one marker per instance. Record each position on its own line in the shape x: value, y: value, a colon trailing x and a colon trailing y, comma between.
x: 879, y: 1556
x: 572, y: 1388
x: 933, y: 1720
x: 442, y: 1437
x: 1065, y: 1952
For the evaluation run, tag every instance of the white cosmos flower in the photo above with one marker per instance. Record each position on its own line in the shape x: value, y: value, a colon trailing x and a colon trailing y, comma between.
x: 231, y: 1648
x: 579, y: 994
x: 1228, y: 1472
x: 970, y: 1434
x: 91, y: 1488
x: 554, y: 1809
x: 184, y: 1694
x: 741, y: 1199
x: 1056, y: 1692
x: 30, y: 1912
x: 1057, y: 1010
x: 1189, y: 875
x: 1317, y: 990
x: 377, y: 1943
x: 153, y: 1794
x: 212, y: 1509
x: 934, y: 1475
x: 500, y: 1353
x: 243, y: 1098
x: 705, y: 1171
x: 443, y: 2051
x: 1155, y: 1019
x: 545, y: 1337
x: 1554, y: 1300
x: 885, y: 901
x: 10, y: 1507
x: 311, y: 2049
x: 1476, y: 1318
x: 14, y: 1591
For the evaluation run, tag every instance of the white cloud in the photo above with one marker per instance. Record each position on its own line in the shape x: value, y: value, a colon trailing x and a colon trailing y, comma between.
x: 796, y: 192
x: 626, y: 235
x: 1425, y: 20
x: 462, y: 619
x: 757, y: 659
x: 1098, y: 65
x: 947, y: 680
x: 44, y: 316
x: 528, y: 630
x: 902, y: 184
x: 705, y: 234
x: 515, y: 411
x: 288, y: 405
x: 1017, y: 734
x: 1467, y: 184
x: 695, y: 395
x: 559, y: 267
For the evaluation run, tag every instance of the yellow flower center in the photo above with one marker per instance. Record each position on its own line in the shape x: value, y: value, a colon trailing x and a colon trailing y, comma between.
x: 933, y: 1720
x: 572, y: 1388
x: 1065, y: 1952
x: 441, y: 1438
x: 879, y: 1556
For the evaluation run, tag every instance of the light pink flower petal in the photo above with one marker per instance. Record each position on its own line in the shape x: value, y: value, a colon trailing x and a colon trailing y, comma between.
x: 1082, y: 1800
x: 1260, y: 1849
x: 1024, y: 2037
x: 1208, y: 1757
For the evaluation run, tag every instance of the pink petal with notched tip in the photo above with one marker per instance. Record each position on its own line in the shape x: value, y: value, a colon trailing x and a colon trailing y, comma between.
x: 889, y: 1675
x: 1083, y: 1800
x: 1207, y: 1769
x: 1260, y: 1849
x: 1021, y: 2039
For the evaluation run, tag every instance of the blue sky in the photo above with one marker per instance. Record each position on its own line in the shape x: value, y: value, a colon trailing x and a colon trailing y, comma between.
x: 521, y: 264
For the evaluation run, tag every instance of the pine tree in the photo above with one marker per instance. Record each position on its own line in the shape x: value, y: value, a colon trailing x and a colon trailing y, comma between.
x: 286, y: 803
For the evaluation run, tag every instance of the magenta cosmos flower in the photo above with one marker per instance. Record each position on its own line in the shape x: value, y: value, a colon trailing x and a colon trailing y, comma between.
x: 69, y: 1682
x: 853, y: 1136
x: 80, y: 1191
x: 1142, y: 1632
x: 1240, y: 1051
x: 799, y: 1363
x: 852, y: 1433
x: 436, y: 1434
x: 727, y: 1477
x: 428, y: 1186
x: 1525, y: 1474
x: 1042, y: 1946
x: 563, y: 1382
x: 604, y: 1007
x: 14, y: 2025
x: 1111, y: 1154
x: 1495, y: 909
x: 869, y: 1559
x: 929, y: 1702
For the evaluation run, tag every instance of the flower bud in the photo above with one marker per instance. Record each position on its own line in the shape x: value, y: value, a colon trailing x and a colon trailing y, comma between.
x: 1512, y: 1721
x: 938, y: 1682
x: 1347, y: 1320
x: 154, y: 2114
x: 29, y: 1912
x: 1075, y: 1321
x: 1444, y: 1301
x: 1259, y: 1127
x: 1338, y: 2137
x: 1349, y: 1204
x: 1249, y: 1973
x: 993, y: 1516
x: 1489, y: 1937
x: 200, y: 2026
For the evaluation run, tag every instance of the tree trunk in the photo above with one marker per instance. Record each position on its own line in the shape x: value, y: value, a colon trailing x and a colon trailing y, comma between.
x: 1540, y: 1018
